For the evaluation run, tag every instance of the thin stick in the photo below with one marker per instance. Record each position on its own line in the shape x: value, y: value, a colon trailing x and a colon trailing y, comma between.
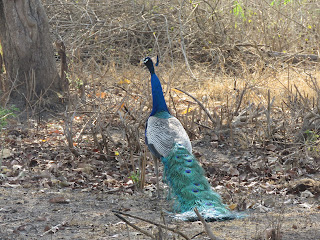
x: 268, y: 116
x: 154, y: 223
x: 95, y: 140
x: 156, y: 168
x: 206, y: 226
x: 135, y: 227
x: 68, y: 131
x: 200, y: 104
x: 143, y: 168
x: 54, y: 229
x: 240, y: 100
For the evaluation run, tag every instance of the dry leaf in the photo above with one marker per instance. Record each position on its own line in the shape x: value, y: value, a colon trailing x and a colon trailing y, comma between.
x: 59, y: 200
x: 306, y: 205
x: 5, y: 153
x: 271, y: 147
x: 214, y: 137
x: 176, y: 90
x: 124, y: 81
x: 233, y: 206
x: 233, y: 171
x: 101, y: 95
x: 46, y: 228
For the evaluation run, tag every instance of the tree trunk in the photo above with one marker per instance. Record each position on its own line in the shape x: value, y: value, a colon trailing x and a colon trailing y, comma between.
x: 32, y: 78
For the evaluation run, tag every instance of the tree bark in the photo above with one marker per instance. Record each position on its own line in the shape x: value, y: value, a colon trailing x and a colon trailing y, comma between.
x: 32, y: 76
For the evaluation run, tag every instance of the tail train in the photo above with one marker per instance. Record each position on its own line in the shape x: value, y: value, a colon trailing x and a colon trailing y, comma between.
x: 191, y: 188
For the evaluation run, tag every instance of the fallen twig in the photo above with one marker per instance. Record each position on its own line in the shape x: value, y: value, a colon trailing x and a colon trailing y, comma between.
x: 154, y: 223
x: 135, y: 227
x: 206, y: 226
x: 54, y: 229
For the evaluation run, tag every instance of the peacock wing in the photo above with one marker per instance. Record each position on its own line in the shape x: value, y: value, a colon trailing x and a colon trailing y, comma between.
x: 163, y: 134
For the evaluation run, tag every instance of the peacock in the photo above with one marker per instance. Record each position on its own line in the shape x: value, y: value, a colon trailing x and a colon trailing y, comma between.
x: 168, y: 141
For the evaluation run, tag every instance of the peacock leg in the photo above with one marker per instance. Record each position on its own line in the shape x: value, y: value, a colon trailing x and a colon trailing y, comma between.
x: 156, y: 168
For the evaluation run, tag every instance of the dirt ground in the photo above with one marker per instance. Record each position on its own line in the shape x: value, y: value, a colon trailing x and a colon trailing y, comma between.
x: 26, y: 213
x: 63, y: 178
x: 32, y: 208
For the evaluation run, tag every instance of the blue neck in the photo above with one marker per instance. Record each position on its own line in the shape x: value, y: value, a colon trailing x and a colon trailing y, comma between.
x: 163, y: 114
x: 159, y: 104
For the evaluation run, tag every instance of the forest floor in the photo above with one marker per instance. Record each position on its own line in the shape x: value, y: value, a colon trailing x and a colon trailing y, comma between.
x: 47, y: 193
x: 255, y: 131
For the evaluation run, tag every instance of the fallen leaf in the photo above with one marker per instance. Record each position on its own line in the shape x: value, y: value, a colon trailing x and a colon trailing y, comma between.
x: 233, y: 171
x: 214, y: 137
x: 306, y: 194
x: 124, y: 81
x: 306, y: 205
x: 176, y: 90
x: 5, y: 153
x: 46, y: 228
x: 233, y: 206
x: 187, y: 110
x: 272, y: 160
x: 101, y: 95
x: 59, y: 200
x: 271, y: 147
x: 214, y: 144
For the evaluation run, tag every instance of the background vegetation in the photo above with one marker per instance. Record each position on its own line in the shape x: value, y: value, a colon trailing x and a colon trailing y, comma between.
x: 252, y: 64
x: 243, y: 78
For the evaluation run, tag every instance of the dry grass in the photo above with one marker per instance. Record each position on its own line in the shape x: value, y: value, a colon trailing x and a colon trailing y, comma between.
x: 240, y: 107
x: 221, y: 53
x: 238, y: 59
x: 218, y: 34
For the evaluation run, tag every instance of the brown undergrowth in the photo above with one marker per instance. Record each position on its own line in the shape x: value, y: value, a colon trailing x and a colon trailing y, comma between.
x: 251, y: 111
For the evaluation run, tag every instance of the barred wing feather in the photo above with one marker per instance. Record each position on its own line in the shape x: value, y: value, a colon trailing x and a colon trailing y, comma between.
x: 163, y: 134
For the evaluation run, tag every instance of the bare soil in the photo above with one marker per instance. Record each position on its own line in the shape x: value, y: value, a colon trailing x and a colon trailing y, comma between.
x: 35, y: 205
x: 26, y: 213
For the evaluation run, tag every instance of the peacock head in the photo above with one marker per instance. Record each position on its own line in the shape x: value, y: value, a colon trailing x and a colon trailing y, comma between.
x: 149, y: 63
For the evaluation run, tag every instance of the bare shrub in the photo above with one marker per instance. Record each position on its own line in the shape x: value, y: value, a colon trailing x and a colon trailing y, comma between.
x: 252, y: 66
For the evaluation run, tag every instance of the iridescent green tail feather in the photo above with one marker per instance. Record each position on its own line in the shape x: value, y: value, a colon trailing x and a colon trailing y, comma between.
x: 191, y: 188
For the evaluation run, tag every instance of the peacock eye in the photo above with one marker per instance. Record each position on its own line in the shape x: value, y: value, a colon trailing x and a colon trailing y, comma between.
x: 195, y: 190
x: 189, y: 160
x: 209, y: 204
x: 188, y: 171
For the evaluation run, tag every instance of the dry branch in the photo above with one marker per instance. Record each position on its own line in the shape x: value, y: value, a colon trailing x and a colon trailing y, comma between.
x: 206, y: 226
x: 54, y: 229
x: 200, y: 104
x: 295, y: 57
x: 154, y: 223
x: 135, y: 227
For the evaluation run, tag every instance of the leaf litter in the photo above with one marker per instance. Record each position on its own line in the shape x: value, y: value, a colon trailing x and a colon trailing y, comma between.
x: 46, y: 190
